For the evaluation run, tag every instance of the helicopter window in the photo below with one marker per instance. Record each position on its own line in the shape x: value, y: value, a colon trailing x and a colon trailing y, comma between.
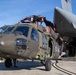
x: 1, y: 30
x: 23, y: 29
x: 44, y: 42
x: 9, y: 30
x: 34, y: 35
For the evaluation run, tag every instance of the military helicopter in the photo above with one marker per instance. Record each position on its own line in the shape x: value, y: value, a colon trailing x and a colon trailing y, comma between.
x: 28, y: 39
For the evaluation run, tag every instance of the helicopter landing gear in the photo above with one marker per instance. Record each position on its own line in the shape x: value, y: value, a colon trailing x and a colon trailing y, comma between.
x: 48, y: 65
x: 14, y: 62
x: 8, y: 63
x: 43, y: 62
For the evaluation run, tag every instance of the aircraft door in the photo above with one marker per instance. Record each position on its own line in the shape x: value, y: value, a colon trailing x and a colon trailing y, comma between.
x: 33, y: 43
x: 50, y: 45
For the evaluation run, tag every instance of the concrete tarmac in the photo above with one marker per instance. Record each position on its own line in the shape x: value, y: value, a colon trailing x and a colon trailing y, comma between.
x: 36, y: 68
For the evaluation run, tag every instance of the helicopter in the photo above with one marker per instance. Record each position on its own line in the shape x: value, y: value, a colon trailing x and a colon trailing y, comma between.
x: 28, y: 39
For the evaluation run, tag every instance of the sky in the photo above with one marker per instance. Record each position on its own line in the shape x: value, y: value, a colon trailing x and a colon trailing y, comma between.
x: 12, y: 11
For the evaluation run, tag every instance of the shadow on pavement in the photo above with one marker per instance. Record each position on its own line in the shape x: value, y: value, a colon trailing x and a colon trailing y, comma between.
x: 29, y: 65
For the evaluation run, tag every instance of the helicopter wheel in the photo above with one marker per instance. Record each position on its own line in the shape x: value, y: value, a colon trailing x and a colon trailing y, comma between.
x: 48, y: 65
x: 8, y: 63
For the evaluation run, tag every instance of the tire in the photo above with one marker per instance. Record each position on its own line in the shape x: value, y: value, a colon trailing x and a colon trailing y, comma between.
x: 48, y: 65
x: 8, y: 63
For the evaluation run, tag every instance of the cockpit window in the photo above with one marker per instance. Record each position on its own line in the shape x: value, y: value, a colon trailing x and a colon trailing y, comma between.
x: 2, y: 29
x: 34, y: 35
x: 9, y: 30
x: 23, y: 29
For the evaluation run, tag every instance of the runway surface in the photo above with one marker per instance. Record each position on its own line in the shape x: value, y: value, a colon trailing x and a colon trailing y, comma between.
x: 36, y: 68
